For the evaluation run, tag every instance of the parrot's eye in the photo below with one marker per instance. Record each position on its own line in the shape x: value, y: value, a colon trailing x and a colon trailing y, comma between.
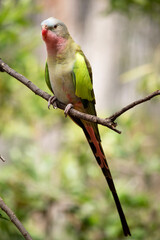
x: 55, y: 26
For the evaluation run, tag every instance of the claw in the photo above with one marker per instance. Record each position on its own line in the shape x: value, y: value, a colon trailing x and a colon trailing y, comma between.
x: 52, y: 101
x: 67, y: 109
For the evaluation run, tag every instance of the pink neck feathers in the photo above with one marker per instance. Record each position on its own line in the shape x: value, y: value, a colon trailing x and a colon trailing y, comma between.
x: 55, y: 44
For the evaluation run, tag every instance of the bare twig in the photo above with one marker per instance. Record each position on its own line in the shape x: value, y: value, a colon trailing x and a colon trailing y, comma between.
x: 133, y: 104
x: 1, y: 158
x: 15, y: 220
x: 108, y: 122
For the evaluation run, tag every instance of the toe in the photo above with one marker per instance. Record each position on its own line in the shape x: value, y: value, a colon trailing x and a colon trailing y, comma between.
x: 67, y: 109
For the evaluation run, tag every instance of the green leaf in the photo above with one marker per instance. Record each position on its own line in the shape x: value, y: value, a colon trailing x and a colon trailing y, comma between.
x: 4, y: 218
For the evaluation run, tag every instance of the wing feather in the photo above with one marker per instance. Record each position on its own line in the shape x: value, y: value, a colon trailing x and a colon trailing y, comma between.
x: 82, y: 77
x: 47, y: 78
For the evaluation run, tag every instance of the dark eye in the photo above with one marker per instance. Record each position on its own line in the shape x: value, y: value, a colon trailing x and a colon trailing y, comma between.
x: 55, y: 26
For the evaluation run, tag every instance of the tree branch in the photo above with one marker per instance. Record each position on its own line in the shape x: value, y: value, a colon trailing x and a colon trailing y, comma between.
x: 15, y: 220
x: 108, y: 122
x: 72, y: 112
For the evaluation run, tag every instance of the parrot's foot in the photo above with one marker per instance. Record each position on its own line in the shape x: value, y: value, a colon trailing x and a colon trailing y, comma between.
x: 52, y: 101
x: 67, y: 108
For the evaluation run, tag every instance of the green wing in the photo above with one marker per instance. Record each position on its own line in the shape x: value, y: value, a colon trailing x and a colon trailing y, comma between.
x: 47, y: 77
x: 82, y: 77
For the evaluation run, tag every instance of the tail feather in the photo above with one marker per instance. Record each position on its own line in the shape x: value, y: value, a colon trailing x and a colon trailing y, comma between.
x: 95, y: 144
x: 101, y: 160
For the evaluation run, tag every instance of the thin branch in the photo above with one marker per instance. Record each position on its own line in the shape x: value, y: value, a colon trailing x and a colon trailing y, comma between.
x: 133, y: 104
x: 72, y: 112
x: 108, y: 122
x: 2, y: 159
x: 15, y: 220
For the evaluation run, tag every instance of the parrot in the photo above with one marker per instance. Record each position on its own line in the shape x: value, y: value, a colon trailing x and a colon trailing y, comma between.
x: 68, y: 75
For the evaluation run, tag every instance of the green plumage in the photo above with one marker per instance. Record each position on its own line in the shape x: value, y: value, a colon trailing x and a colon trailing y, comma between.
x: 47, y: 78
x: 82, y: 79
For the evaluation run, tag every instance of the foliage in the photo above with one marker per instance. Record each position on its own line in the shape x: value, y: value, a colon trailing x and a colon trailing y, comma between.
x: 16, y: 49
x: 50, y: 178
x: 129, y: 7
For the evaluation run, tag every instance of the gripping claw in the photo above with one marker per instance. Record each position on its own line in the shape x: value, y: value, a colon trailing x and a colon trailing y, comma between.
x: 52, y: 101
x: 67, y: 108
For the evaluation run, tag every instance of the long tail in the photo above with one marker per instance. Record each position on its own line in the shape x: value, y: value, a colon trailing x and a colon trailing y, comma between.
x: 101, y: 160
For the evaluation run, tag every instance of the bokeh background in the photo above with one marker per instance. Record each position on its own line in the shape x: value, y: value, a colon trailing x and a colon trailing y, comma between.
x: 50, y: 178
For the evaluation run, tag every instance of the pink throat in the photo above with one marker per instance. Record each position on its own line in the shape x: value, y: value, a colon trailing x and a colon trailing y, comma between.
x: 55, y: 44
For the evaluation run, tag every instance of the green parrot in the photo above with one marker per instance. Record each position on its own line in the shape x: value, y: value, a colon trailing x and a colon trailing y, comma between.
x: 68, y: 75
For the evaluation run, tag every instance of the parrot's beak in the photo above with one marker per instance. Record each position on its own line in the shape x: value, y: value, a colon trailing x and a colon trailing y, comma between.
x: 44, y: 30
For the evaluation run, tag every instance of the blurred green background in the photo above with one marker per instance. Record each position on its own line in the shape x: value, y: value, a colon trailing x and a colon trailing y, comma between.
x: 50, y: 178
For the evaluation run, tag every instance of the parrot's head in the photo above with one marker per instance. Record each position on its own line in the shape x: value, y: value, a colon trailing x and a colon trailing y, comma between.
x: 54, y: 32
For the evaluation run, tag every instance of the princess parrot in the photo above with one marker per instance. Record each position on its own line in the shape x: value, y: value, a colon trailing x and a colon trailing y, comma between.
x: 68, y: 75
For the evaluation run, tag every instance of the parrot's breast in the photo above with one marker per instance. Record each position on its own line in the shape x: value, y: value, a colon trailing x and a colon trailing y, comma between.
x: 62, y: 82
